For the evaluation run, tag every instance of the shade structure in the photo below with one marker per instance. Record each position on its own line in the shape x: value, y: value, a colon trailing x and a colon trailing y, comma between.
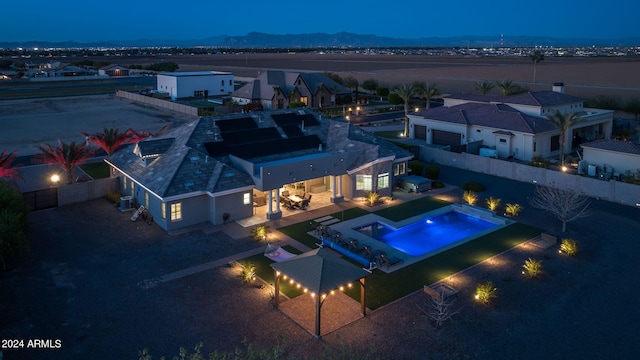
x: 320, y: 271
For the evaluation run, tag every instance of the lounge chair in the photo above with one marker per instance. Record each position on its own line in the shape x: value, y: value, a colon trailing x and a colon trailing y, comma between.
x: 389, y: 261
x: 370, y: 254
x: 337, y: 238
x: 277, y: 253
x: 353, y: 246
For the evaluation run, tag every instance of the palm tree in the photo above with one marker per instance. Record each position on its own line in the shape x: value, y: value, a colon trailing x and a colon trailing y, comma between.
x: 429, y: 91
x: 6, y: 169
x: 536, y: 57
x: 405, y: 92
x: 64, y: 155
x: 109, y: 140
x: 484, y: 87
x: 139, y: 136
x: 563, y: 121
x: 507, y: 87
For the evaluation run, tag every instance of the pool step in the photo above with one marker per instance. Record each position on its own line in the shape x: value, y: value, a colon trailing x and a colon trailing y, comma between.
x: 324, y: 218
x: 329, y: 222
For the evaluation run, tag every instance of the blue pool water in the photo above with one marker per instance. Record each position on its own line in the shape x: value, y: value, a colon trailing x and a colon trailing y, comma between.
x: 427, y: 234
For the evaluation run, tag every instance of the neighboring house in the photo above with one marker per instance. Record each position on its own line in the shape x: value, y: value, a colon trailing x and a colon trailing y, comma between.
x: 60, y: 71
x: 614, y: 158
x: 228, y: 164
x: 515, y: 126
x: 274, y: 89
x: 113, y: 71
x: 199, y: 84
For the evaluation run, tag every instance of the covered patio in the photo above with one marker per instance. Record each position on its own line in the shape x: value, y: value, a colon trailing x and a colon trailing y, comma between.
x: 322, y: 275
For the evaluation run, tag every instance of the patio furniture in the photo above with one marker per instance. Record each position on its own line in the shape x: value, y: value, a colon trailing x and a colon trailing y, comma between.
x: 389, y: 261
x: 370, y: 253
x: 304, y: 204
x: 353, y: 246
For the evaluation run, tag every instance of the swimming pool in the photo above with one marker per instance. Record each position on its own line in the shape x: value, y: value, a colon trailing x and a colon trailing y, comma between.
x: 428, y: 234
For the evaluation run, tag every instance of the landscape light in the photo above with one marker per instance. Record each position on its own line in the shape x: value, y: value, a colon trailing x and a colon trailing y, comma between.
x: 55, y: 178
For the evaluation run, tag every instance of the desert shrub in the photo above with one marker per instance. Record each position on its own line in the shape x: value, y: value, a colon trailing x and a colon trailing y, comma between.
x: 532, y: 268
x: 248, y: 273
x: 416, y: 167
x: 569, y: 246
x: 492, y: 203
x: 538, y: 161
x: 473, y: 186
x: 373, y: 198
x: 470, y: 197
x: 512, y: 209
x: 486, y: 292
x: 432, y: 172
x: 260, y: 232
x: 437, y: 185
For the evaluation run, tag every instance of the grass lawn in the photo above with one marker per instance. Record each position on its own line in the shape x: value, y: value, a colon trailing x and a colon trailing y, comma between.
x: 384, y: 288
x: 97, y: 170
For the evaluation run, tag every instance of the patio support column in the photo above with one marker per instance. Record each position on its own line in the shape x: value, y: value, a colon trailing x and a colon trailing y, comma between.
x: 318, y: 301
x: 269, y: 203
x: 340, y: 185
x: 336, y: 190
x: 363, y: 308
x: 276, y: 276
x: 278, y: 200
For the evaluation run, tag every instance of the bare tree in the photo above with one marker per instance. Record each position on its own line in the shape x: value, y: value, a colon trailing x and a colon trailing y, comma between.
x: 566, y: 205
x: 438, y: 308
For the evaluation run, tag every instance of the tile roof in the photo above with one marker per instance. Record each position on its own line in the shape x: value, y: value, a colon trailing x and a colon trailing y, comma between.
x: 614, y: 145
x: 498, y: 116
x: 533, y: 98
x: 183, y: 165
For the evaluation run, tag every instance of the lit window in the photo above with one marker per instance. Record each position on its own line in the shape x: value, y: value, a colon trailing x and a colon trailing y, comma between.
x: 383, y: 181
x: 176, y: 212
x: 363, y: 182
x: 399, y: 169
x: 246, y: 198
x: 146, y: 199
x: 124, y: 183
x: 163, y: 210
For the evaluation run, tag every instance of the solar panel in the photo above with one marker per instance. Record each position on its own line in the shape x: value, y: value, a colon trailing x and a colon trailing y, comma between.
x: 251, y: 136
x: 236, y: 124
x: 273, y: 147
x: 292, y: 130
x: 294, y: 119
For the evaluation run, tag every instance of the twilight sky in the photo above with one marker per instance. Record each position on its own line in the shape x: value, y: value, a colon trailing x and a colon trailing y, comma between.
x: 85, y: 21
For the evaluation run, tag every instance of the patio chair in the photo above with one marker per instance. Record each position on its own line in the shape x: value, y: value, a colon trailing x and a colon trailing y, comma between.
x: 337, y: 238
x: 304, y: 204
x: 308, y: 197
x: 389, y: 261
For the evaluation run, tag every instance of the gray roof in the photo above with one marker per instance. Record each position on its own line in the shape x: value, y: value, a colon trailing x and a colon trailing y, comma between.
x: 178, y: 162
x: 532, y: 98
x: 262, y: 86
x: 614, y: 145
x: 177, y: 169
x: 320, y: 271
x: 498, y: 116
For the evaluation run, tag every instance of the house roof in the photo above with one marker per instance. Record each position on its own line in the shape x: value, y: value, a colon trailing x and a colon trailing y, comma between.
x: 263, y: 86
x: 498, y: 116
x: 614, y: 145
x: 113, y: 67
x: 532, y: 98
x: 195, y: 157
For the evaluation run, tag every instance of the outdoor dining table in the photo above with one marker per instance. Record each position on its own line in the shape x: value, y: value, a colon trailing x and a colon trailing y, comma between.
x: 295, y: 199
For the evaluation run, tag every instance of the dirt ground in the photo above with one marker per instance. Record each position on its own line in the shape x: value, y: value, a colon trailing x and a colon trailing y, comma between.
x: 583, y: 76
x: 89, y: 281
x: 31, y: 122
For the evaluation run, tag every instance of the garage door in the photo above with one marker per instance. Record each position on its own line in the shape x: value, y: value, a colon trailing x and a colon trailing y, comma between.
x: 445, y: 138
x: 420, y: 132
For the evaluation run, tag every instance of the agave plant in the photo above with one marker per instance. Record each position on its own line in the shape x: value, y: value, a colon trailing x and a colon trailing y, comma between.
x: 260, y: 232
x: 373, y: 197
x: 248, y: 273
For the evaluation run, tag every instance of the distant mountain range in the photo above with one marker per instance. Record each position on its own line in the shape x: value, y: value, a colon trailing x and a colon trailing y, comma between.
x: 342, y: 39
